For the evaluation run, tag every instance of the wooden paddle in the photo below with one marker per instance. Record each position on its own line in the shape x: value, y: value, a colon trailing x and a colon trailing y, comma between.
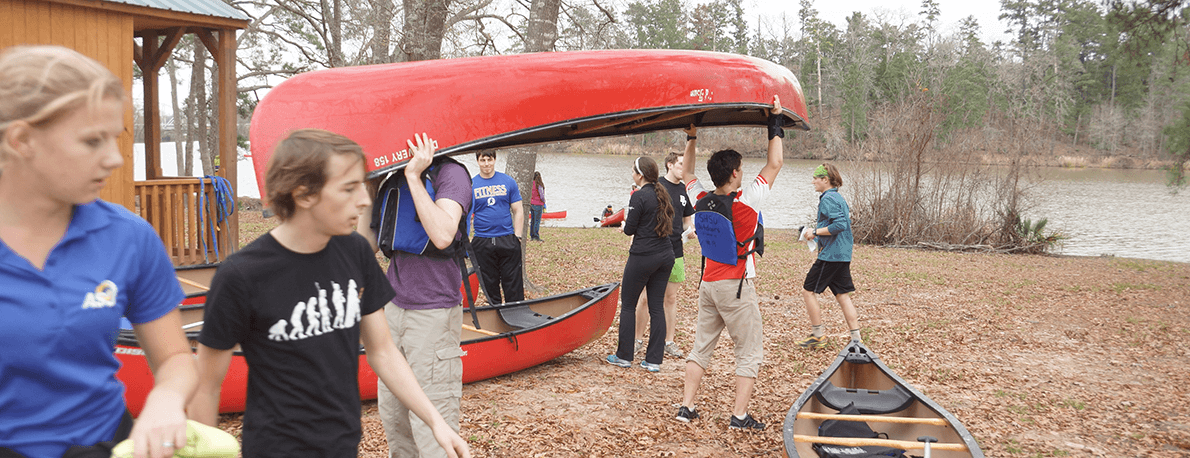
x: 479, y: 331
x: 873, y: 418
x: 858, y: 442
x: 194, y: 284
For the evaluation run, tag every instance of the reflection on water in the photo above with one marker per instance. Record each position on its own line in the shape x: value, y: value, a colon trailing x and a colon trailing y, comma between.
x: 1127, y: 213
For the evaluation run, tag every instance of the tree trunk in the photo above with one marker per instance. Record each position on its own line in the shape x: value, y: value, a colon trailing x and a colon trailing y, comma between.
x: 425, y: 24
x: 543, y: 26
x: 522, y: 162
x: 382, y: 25
x: 332, y: 14
x: 818, y: 63
x: 195, y: 104
x: 1078, y: 122
x: 200, y: 111
x: 171, y: 69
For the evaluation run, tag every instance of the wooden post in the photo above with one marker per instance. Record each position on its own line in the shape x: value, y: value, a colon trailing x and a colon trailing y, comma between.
x: 152, y: 57
x: 152, y: 117
x: 228, y: 122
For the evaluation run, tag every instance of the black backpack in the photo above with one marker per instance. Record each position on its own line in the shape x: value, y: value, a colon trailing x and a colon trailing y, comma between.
x: 856, y: 429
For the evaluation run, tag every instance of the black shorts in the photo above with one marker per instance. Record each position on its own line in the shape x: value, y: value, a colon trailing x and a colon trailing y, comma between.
x: 836, y: 275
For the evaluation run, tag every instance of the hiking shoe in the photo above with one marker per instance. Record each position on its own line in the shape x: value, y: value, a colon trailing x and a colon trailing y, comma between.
x: 812, y: 342
x: 671, y: 349
x: 202, y: 441
x: 650, y: 366
x: 747, y: 423
x: 685, y: 415
x: 616, y: 361
x: 640, y: 345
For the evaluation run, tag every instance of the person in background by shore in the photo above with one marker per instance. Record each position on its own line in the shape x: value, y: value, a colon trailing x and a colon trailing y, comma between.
x: 72, y: 265
x: 536, y: 206
x: 675, y: 185
x: 649, y: 219
x: 833, y: 266
x: 299, y: 300
x: 726, y: 296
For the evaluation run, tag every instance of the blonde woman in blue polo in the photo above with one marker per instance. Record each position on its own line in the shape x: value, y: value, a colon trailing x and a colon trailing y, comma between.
x: 72, y: 265
x: 833, y: 267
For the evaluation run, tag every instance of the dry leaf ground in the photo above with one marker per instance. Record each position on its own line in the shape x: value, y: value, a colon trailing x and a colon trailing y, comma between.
x: 1038, y: 356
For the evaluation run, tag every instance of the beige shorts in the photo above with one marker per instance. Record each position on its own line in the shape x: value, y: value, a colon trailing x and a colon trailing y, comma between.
x: 429, y: 340
x: 718, y: 309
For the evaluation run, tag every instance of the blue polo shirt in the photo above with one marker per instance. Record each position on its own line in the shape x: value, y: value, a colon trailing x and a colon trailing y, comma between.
x: 835, y: 216
x: 492, y: 207
x: 58, y: 329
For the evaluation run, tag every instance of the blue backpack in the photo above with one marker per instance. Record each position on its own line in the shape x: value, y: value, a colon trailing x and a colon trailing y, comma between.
x: 395, y: 221
x: 713, y: 222
x: 398, y: 228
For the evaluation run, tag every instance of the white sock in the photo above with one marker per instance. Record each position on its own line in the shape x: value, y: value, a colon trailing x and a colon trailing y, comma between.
x: 737, y: 417
x: 816, y: 330
x: 855, y: 335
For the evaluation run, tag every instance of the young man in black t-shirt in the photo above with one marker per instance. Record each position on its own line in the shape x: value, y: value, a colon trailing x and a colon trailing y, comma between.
x: 297, y: 301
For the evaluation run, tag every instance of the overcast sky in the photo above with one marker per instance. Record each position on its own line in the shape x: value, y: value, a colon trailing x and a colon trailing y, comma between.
x: 987, y: 12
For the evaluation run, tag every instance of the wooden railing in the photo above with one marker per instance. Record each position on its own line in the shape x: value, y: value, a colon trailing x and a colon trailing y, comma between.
x: 192, y: 235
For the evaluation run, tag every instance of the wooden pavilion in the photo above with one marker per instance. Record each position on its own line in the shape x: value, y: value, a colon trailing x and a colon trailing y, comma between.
x: 182, y: 209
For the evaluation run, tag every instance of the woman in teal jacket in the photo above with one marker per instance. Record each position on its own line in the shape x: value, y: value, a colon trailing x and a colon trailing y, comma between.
x: 833, y: 267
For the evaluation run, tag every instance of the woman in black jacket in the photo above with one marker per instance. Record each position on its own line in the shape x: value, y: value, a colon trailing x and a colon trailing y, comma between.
x: 649, y: 219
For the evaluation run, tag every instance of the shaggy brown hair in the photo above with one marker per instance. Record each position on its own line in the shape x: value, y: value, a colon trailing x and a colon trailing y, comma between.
x: 298, y: 167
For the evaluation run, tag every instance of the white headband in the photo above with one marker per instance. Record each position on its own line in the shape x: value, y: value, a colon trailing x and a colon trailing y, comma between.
x: 636, y: 166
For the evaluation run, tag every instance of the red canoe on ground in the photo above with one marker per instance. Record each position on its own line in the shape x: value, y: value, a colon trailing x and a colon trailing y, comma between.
x: 553, y: 215
x: 523, y: 99
x: 510, y: 337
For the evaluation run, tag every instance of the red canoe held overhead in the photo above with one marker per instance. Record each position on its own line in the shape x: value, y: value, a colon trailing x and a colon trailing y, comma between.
x: 476, y: 103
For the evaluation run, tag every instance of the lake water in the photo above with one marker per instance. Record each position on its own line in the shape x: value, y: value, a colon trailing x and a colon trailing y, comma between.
x: 1126, y: 213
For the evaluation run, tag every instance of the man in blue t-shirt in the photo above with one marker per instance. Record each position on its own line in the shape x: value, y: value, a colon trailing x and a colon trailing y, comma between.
x: 497, y: 217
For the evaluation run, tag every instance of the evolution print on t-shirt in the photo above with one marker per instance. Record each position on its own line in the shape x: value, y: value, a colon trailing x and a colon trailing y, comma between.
x: 320, y: 317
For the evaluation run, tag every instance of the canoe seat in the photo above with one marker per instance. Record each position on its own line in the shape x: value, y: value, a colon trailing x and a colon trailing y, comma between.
x: 891, y: 400
x: 523, y: 317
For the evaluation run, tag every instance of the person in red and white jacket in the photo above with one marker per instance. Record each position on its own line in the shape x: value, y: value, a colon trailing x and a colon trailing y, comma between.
x: 726, y: 296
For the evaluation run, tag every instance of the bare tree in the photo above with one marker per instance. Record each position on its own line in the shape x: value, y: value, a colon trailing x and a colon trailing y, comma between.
x: 542, y: 32
x: 425, y: 25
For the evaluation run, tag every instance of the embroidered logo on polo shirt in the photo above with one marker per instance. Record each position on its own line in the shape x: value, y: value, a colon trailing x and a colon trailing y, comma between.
x: 103, y: 296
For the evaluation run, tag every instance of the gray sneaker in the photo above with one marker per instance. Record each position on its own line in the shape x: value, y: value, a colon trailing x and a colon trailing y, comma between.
x: 671, y: 349
x: 616, y: 361
x: 748, y: 423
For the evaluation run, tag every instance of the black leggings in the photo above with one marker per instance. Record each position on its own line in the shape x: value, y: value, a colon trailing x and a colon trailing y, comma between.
x: 651, y: 273
x: 500, y: 267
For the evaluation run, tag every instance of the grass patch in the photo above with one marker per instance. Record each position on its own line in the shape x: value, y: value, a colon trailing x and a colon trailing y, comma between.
x: 1141, y: 265
x: 1073, y: 404
x: 1121, y: 287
